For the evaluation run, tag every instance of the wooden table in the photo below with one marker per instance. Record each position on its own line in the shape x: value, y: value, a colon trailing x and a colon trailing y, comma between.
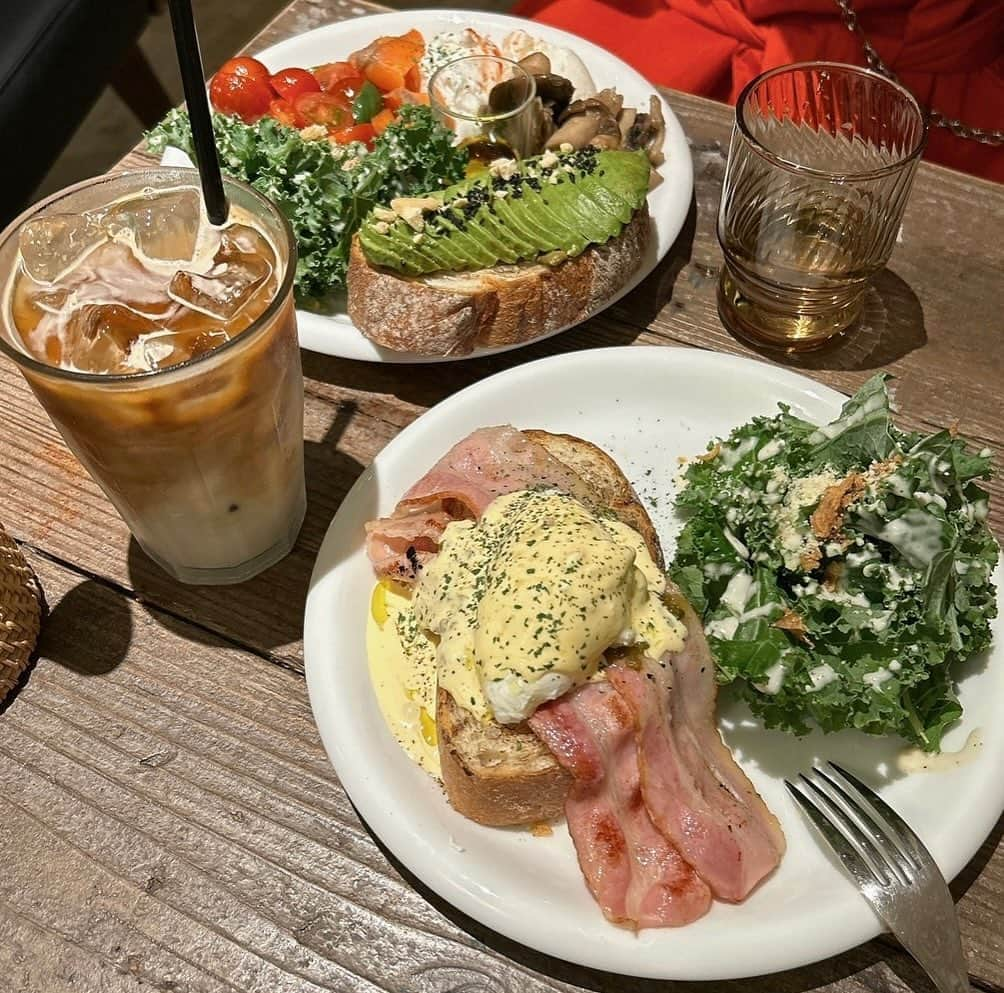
x: 168, y: 818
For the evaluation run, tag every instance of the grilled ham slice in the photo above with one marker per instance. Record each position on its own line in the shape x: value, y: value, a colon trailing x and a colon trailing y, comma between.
x: 695, y: 792
x: 486, y: 464
x: 636, y: 876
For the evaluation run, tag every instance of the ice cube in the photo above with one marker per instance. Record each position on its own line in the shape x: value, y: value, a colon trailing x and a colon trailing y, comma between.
x: 100, y: 337
x: 53, y: 244
x: 240, y: 267
x: 158, y: 350
x: 206, y: 341
x: 164, y: 226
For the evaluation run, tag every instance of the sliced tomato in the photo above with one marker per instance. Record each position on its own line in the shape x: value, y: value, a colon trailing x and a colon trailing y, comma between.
x: 382, y: 120
x: 323, y: 108
x: 245, y: 96
x: 285, y: 113
x: 291, y: 83
x: 396, y: 99
x: 332, y: 72
x: 348, y: 87
x: 244, y: 65
x: 358, y: 132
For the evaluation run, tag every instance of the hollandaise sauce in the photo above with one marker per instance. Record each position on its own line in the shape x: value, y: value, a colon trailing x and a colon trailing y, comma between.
x: 516, y: 609
x: 402, y: 663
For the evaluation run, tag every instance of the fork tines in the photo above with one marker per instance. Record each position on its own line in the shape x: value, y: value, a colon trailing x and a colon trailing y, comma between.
x: 874, y: 843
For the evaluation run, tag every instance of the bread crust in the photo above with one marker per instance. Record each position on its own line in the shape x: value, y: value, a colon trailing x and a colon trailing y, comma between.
x: 497, y: 775
x: 505, y: 305
x: 504, y: 775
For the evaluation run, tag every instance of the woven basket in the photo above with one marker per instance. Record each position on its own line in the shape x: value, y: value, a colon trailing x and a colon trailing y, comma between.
x: 20, y: 613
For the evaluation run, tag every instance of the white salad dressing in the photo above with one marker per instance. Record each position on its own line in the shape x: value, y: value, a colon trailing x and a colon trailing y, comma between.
x: 917, y: 760
x: 917, y: 535
x: 877, y: 678
x: 771, y: 449
x: 775, y: 680
x: 830, y: 431
x: 820, y: 676
x: 741, y: 550
x: 730, y: 457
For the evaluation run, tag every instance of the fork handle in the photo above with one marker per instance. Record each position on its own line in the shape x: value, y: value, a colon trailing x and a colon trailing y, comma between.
x: 939, y: 952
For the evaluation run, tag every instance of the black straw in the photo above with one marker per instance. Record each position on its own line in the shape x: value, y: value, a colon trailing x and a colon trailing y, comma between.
x: 186, y: 41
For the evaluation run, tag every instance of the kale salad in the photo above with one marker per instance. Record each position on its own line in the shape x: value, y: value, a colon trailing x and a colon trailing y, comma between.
x: 841, y: 571
x: 325, y: 190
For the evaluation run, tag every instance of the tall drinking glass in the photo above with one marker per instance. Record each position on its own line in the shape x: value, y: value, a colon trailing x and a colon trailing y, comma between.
x: 165, y: 351
x: 821, y: 164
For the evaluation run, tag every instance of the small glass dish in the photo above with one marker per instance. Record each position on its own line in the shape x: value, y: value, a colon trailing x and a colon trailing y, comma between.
x: 490, y: 103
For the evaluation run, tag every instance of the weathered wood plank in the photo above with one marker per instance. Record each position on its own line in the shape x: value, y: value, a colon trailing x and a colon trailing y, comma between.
x: 177, y: 827
x: 176, y: 823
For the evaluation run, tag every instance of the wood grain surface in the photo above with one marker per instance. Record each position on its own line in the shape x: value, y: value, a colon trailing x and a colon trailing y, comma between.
x: 168, y: 819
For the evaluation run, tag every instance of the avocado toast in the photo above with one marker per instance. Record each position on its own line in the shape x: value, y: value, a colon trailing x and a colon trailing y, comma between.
x: 503, y: 257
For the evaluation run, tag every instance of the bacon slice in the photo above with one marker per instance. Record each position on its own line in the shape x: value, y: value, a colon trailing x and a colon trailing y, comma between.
x: 694, y: 791
x: 635, y: 875
x: 486, y: 464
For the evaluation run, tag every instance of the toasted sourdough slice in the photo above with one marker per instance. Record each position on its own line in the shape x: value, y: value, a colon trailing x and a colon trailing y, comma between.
x: 503, y: 774
x: 505, y: 305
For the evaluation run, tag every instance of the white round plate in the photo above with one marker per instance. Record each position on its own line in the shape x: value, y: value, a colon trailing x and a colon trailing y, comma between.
x: 645, y: 406
x: 335, y: 334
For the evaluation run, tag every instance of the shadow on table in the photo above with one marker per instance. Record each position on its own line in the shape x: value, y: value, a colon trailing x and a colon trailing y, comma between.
x: 427, y: 384
x: 71, y: 636
x: 961, y: 883
x: 266, y: 612
x: 810, y: 977
x: 890, y: 327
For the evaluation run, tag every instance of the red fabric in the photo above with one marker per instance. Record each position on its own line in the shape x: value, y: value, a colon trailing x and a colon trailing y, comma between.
x: 950, y: 53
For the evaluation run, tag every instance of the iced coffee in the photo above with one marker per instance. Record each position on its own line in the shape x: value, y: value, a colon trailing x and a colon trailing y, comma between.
x: 164, y: 348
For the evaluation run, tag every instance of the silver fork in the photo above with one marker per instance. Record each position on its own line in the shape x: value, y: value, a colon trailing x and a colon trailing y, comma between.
x: 892, y: 868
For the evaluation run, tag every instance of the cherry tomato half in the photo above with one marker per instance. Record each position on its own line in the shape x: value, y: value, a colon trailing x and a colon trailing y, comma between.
x: 332, y: 72
x: 244, y: 65
x: 323, y: 108
x: 359, y: 132
x: 348, y: 87
x: 285, y: 113
x: 244, y: 96
x: 291, y: 83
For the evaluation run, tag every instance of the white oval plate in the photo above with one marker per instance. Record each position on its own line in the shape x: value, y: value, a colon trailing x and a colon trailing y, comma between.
x: 645, y: 406
x: 335, y: 334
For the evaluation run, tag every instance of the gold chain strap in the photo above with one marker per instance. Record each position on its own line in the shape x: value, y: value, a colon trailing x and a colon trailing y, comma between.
x: 960, y: 130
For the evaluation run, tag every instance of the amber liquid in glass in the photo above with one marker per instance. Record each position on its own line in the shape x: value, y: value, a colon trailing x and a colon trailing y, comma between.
x: 819, y: 169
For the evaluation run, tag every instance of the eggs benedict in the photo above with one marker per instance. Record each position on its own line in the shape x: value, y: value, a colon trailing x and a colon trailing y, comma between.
x: 517, y: 608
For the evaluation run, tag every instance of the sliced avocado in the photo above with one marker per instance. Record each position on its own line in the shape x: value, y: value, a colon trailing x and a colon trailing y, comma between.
x: 531, y: 230
x: 417, y: 259
x: 589, y: 217
x: 589, y: 203
x: 493, y: 219
x: 565, y: 236
x: 451, y: 254
x: 626, y: 174
x: 478, y: 255
x: 376, y: 250
x: 608, y: 199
